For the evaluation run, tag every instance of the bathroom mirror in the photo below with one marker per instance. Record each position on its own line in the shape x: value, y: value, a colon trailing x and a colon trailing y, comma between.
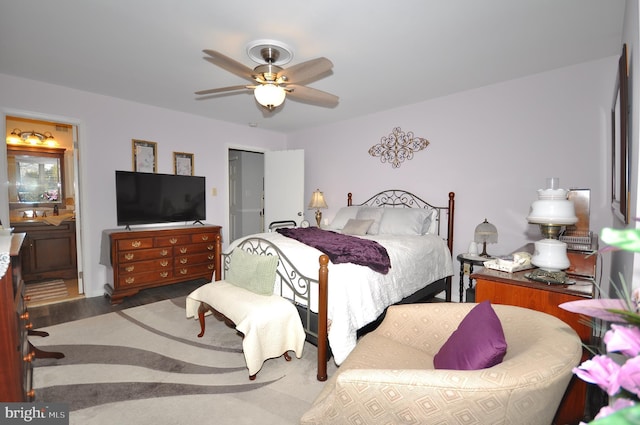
x: 35, y: 176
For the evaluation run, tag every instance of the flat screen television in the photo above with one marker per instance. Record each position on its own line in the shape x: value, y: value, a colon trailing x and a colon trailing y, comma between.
x: 146, y: 198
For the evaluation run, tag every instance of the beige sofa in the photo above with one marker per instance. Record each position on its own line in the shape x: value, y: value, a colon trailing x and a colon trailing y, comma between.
x: 389, y: 377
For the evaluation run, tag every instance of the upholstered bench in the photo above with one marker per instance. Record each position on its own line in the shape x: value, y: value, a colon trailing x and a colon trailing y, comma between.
x: 270, y: 324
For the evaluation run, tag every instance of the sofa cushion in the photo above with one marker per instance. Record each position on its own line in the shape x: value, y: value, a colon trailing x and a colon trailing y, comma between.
x: 357, y: 227
x: 256, y: 273
x: 478, y: 343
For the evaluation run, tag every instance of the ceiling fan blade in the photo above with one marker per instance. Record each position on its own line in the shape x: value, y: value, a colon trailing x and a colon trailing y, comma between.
x: 222, y: 89
x: 231, y: 65
x: 308, y: 95
x: 306, y: 71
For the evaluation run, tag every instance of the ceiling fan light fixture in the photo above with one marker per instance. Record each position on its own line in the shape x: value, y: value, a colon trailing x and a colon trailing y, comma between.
x: 269, y: 95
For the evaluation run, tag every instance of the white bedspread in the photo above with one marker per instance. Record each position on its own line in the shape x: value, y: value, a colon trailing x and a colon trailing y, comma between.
x: 357, y: 294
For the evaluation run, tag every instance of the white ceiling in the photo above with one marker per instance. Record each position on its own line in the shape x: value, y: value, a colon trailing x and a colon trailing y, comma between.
x: 386, y: 54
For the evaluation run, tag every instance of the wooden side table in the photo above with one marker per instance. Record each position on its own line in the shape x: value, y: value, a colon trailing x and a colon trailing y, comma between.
x: 515, y: 289
x: 470, y: 261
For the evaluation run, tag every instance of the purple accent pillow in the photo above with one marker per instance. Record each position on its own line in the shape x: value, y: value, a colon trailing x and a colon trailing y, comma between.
x: 478, y: 343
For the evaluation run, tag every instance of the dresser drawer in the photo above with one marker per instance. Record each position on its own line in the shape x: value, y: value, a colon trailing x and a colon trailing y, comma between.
x: 172, y: 240
x: 194, y: 249
x: 135, y: 243
x: 146, y: 266
x: 144, y: 254
x: 204, y: 257
x: 142, y: 278
x: 200, y: 270
x: 203, y: 237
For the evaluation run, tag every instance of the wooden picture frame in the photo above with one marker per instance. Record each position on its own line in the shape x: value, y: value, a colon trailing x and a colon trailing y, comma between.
x: 145, y: 158
x: 620, y: 141
x: 183, y: 163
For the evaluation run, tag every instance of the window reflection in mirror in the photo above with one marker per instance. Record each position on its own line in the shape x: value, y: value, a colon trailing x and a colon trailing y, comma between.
x: 36, y: 176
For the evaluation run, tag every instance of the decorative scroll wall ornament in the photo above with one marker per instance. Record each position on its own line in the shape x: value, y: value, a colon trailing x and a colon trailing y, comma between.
x: 398, y: 147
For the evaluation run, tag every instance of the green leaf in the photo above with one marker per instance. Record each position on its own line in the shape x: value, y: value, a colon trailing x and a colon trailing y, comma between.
x: 628, y: 416
x: 627, y: 239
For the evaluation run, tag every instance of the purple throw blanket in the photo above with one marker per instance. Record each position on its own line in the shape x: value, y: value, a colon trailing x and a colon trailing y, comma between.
x: 343, y: 248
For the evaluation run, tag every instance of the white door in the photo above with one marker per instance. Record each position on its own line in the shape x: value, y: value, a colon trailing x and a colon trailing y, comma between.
x: 283, y: 186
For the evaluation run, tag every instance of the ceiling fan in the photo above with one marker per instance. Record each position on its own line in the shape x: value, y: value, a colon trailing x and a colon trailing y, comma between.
x: 271, y: 83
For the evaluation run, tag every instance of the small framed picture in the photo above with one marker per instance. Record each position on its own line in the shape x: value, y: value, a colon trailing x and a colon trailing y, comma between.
x: 145, y: 159
x: 183, y: 163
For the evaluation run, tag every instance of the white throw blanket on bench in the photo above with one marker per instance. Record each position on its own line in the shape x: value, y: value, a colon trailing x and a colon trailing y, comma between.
x: 270, y: 324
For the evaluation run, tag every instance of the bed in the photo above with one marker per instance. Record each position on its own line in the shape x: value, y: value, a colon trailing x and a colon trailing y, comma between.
x: 337, y: 300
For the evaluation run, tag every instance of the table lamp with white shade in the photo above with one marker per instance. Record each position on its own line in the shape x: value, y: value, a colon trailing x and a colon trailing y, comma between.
x: 485, y: 233
x: 552, y: 211
x: 317, y: 202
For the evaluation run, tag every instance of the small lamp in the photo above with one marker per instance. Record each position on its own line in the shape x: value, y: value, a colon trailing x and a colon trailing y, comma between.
x: 552, y: 211
x: 317, y: 202
x: 485, y: 233
x: 14, y: 138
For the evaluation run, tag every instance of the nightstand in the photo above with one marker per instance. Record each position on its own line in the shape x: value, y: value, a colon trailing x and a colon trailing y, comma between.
x: 515, y: 289
x: 469, y: 261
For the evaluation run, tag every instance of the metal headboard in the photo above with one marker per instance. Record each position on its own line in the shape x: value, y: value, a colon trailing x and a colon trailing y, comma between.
x: 397, y: 198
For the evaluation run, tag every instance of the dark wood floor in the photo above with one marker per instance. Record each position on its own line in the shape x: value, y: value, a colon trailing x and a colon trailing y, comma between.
x: 68, y: 311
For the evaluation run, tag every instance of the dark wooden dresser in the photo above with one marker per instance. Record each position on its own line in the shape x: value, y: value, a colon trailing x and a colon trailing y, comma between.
x: 15, y: 351
x: 153, y: 257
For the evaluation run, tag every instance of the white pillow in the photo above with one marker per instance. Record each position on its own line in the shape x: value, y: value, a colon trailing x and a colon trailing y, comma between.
x: 343, y: 215
x: 357, y: 227
x: 431, y: 224
x: 371, y: 213
x: 405, y: 221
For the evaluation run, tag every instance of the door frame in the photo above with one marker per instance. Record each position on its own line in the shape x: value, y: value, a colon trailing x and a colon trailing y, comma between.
x: 77, y: 129
x: 226, y: 231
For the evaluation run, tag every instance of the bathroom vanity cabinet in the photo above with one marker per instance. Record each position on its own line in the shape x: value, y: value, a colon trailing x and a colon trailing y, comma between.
x: 49, y: 251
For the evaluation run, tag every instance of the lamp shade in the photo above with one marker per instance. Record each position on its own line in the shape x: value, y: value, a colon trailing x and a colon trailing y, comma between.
x: 486, y: 233
x: 269, y: 95
x: 552, y: 207
x: 317, y: 200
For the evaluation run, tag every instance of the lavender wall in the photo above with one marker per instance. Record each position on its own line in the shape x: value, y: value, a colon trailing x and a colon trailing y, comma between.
x: 494, y: 147
x: 106, y: 126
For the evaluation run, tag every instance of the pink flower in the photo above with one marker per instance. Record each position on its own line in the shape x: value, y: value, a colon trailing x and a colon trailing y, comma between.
x: 618, y: 404
x: 629, y: 376
x: 623, y: 339
x: 597, y: 308
x: 602, y: 371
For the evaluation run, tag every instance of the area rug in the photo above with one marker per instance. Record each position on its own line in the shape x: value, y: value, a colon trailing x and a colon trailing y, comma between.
x: 146, y: 365
x: 44, y: 291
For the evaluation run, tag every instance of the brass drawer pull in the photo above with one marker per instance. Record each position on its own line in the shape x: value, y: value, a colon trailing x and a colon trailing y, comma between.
x: 183, y: 271
x: 205, y: 237
x: 136, y: 244
x: 183, y: 250
x: 128, y: 256
x: 164, y: 274
x: 130, y: 268
x: 130, y: 280
x: 210, y: 247
x: 184, y: 261
x: 211, y: 256
x: 164, y: 263
x: 210, y: 266
x: 164, y: 252
x: 173, y: 241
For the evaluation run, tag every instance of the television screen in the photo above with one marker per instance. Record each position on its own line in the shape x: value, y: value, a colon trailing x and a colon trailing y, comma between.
x: 145, y: 198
